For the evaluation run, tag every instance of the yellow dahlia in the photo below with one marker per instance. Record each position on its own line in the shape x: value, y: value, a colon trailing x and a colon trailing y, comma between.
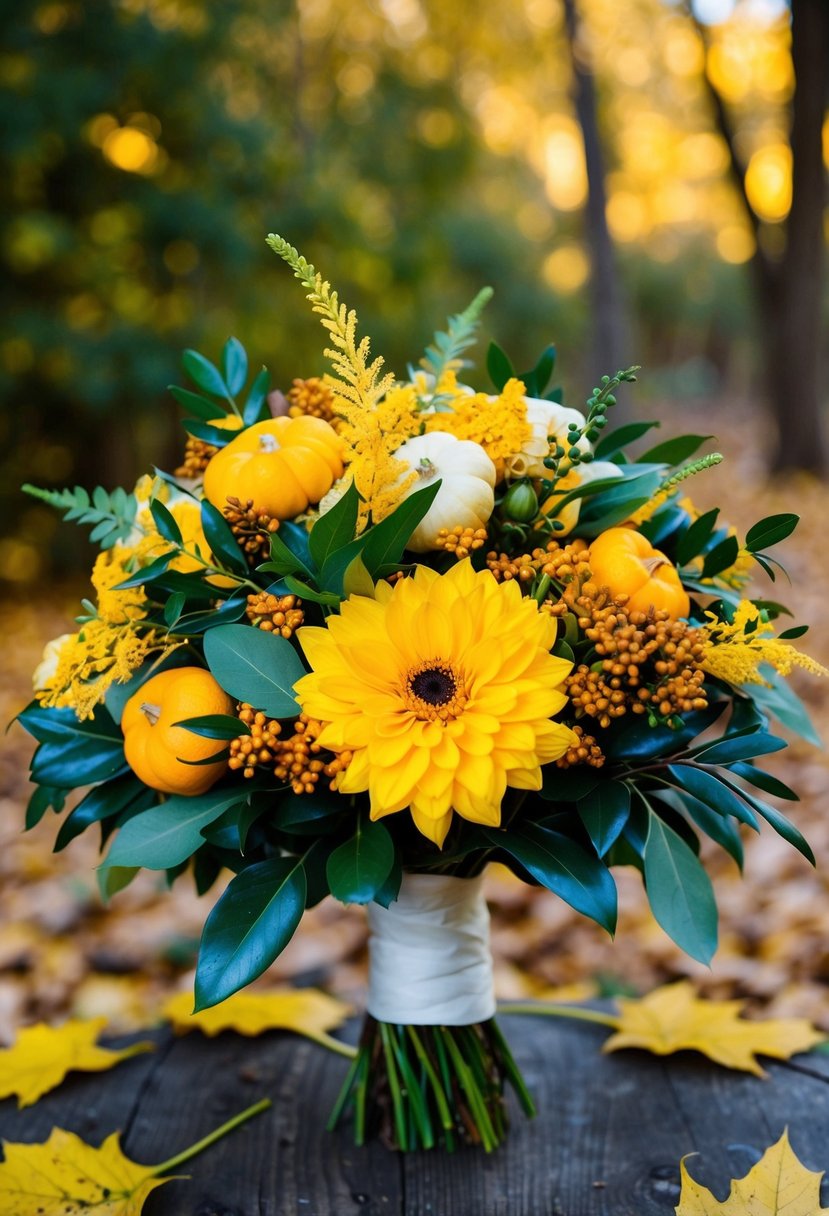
x: 442, y: 688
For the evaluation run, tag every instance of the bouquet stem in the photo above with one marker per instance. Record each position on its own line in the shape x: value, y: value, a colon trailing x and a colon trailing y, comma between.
x: 421, y: 1086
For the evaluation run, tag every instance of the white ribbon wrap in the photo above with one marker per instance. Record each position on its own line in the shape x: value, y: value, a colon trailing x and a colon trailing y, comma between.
x: 429, y: 957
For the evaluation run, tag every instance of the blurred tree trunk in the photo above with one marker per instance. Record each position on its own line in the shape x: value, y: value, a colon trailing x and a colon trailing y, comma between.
x: 790, y: 286
x: 610, y: 336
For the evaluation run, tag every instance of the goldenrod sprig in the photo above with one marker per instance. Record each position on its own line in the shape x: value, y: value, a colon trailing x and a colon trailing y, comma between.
x: 358, y: 380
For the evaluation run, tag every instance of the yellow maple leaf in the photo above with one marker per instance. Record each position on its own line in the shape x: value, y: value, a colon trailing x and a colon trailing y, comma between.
x: 777, y: 1185
x: 42, y: 1055
x: 303, y: 1010
x: 65, y: 1176
x: 673, y: 1018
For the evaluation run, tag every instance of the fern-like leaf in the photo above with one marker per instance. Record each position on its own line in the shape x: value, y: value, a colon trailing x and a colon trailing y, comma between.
x: 445, y: 353
x: 111, y: 516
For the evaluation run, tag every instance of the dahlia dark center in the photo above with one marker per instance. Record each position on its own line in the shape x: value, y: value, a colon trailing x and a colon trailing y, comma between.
x: 435, y: 685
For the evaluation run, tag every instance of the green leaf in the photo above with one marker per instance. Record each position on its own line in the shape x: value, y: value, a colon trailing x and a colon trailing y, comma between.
x: 713, y: 792
x: 254, y: 666
x: 218, y: 437
x: 614, y: 441
x: 220, y: 538
x: 112, y: 516
x: 165, y: 522
x: 770, y: 531
x: 386, y: 541
x: 329, y: 598
x: 204, y: 373
x: 283, y: 560
x: 783, y: 703
x: 679, y: 891
x: 308, y: 814
x: 674, y: 451
x: 113, y: 879
x: 782, y: 825
x: 147, y: 573
x: 604, y: 812
x: 357, y: 580
x: 764, y: 781
x: 174, y: 608
x: 721, y: 828
x: 254, y: 410
x: 536, y: 380
x: 499, y: 366
x: 234, y: 365
x: 43, y: 797
x: 357, y: 869
x: 336, y: 528
x: 739, y: 747
x: 636, y: 740
x: 202, y: 407
x: 797, y: 631
x: 460, y: 334
x: 561, y: 865
x: 73, y: 753
x: 249, y: 926
x: 102, y: 802
x: 721, y: 557
x: 215, y: 726
x: 568, y: 784
x: 696, y: 537
x: 166, y: 835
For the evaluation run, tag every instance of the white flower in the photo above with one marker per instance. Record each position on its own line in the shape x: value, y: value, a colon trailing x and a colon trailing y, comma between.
x: 45, y: 671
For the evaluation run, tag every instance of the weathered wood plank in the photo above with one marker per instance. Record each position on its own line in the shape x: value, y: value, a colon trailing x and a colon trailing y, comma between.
x: 608, y: 1140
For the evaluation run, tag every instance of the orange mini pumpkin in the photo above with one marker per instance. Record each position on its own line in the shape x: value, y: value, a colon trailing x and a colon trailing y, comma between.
x: 157, y: 749
x: 625, y: 561
x: 283, y: 464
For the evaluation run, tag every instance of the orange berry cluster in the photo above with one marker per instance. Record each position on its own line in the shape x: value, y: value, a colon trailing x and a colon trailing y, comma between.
x: 297, y: 759
x: 460, y: 541
x: 282, y: 614
x: 648, y: 662
x: 562, y: 563
x: 252, y: 528
x: 260, y: 746
x: 586, y: 751
x: 197, y: 456
x: 312, y: 398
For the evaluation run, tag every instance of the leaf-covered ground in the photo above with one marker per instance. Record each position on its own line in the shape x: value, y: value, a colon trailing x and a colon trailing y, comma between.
x: 61, y: 953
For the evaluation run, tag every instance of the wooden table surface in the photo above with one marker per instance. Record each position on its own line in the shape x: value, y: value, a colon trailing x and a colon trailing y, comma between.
x: 608, y: 1139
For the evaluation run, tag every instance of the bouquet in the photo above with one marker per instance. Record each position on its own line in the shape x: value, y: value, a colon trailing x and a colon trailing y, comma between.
x: 373, y: 634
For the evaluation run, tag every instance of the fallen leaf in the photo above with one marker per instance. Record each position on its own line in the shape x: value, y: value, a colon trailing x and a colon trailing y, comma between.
x: 65, y: 1176
x: 673, y: 1018
x: 778, y: 1185
x: 41, y: 1056
x: 68, y: 1177
x: 305, y: 1011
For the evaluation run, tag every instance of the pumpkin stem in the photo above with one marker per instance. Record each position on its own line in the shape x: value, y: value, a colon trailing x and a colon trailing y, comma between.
x: 151, y: 712
x: 426, y: 467
x: 268, y: 443
x: 652, y: 564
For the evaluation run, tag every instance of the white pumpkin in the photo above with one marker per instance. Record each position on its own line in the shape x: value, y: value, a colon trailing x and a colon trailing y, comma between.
x: 546, y: 418
x: 467, y: 491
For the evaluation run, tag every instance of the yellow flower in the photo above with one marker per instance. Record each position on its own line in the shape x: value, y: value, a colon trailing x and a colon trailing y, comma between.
x: 442, y: 688
x: 735, y: 652
x: 498, y: 424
